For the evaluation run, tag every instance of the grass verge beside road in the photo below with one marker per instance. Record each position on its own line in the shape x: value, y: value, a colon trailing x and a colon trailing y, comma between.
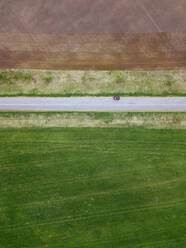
x: 92, y: 83
x: 92, y: 187
x: 155, y: 120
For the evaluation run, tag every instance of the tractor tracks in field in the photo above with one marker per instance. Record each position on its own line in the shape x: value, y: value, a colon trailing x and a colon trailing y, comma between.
x: 100, y: 214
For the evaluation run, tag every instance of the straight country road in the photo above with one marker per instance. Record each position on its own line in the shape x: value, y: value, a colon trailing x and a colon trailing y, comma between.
x: 92, y: 104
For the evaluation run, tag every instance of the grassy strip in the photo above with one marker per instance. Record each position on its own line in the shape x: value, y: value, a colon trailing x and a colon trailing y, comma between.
x: 92, y: 187
x: 135, y: 94
x: 168, y: 120
x: 92, y: 83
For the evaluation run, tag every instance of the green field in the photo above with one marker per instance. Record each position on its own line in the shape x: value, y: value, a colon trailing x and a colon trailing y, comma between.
x: 92, y: 187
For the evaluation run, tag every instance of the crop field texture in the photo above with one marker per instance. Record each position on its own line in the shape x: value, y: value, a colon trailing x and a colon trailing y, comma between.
x: 93, y: 35
x: 92, y: 187
x: 92, y: 83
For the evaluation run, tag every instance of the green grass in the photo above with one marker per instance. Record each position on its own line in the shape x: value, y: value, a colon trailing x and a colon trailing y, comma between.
x: 10, y: 77
x: 36, y: 94
x: 48, y: 79
x: 92, y: 187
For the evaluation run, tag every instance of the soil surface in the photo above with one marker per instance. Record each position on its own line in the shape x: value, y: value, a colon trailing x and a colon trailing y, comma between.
x: 86, y: 34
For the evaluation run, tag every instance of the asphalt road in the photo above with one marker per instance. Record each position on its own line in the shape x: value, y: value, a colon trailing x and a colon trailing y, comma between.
x: 92, y: 104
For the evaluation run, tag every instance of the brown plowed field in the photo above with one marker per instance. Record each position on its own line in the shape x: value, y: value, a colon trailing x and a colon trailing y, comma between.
x: 99, y: 34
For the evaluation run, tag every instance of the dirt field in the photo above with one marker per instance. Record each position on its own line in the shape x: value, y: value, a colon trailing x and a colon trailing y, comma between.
x: 95, y: 52
x: 84, y: 83
x: 102, y: 35
x: 92, y: 17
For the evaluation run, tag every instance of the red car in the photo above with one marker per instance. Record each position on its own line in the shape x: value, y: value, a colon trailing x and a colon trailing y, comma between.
x: 116, y: 98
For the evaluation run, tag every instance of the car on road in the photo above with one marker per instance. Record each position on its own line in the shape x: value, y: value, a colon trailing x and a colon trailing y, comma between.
x: 116, y: 98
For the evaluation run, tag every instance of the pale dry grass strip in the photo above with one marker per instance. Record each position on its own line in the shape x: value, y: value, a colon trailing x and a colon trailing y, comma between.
x: 94, y: 82
x: 82, y: 119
